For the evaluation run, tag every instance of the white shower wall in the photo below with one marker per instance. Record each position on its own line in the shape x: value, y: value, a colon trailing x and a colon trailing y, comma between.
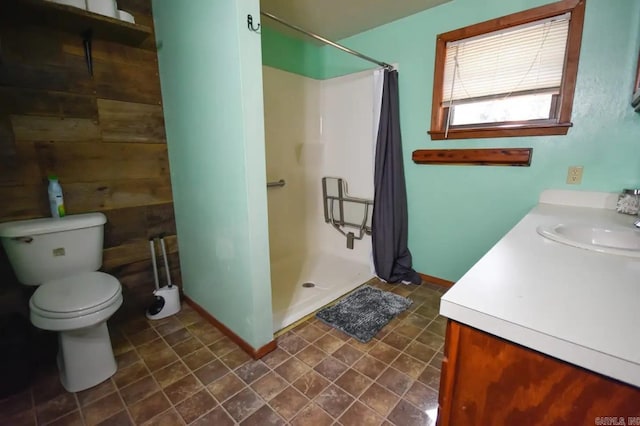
x: 346, y: 107
x: 314, y: 129
x: 291, y: 115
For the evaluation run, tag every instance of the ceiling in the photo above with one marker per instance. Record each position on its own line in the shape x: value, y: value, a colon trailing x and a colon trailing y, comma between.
x: 337, y: 19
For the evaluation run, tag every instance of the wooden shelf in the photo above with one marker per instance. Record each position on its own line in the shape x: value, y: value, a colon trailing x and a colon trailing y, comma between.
x: 75, y: 20
x: 474, y: 157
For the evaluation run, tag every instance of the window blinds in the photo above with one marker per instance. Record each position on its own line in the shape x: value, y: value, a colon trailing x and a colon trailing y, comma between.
x: 523, y: 58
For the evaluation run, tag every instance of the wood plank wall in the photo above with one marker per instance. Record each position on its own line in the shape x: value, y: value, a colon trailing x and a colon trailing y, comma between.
x: 103, y: 136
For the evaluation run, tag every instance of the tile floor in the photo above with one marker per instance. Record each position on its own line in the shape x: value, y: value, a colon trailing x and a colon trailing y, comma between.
x: 182, y: 370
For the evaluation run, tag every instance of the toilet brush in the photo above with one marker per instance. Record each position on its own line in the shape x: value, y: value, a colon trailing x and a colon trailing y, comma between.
x: 166, y: 263
x: 158, y: 301
x: 167, y: 298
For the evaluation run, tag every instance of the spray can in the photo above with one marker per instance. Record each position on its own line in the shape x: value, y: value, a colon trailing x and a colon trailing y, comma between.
x: 56, y: 200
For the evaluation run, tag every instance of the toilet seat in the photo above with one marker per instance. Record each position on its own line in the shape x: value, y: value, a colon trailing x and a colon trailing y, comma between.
x: 77, y: 301
x: 65, y: 315
x: 79, y: 294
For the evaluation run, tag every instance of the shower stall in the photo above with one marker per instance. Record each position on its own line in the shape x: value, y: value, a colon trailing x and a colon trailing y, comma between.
x: 316, y: 129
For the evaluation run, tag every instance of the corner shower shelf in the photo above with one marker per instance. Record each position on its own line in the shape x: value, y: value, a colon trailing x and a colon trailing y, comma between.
x: 342, y: 210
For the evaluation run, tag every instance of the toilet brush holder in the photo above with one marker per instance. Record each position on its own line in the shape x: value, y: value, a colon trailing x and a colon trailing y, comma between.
x: 171, y: 306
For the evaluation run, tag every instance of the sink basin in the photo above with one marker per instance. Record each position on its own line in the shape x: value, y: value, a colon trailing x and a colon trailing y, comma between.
x: 606, y: 239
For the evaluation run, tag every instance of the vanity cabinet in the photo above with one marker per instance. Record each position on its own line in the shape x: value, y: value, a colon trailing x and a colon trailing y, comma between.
x: 487, y: 380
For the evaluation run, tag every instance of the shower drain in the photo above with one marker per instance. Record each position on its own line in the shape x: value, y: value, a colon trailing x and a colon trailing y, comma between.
x: 308, y: 285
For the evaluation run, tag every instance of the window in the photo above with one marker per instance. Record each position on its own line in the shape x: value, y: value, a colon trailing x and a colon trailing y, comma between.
x: 511, y: 76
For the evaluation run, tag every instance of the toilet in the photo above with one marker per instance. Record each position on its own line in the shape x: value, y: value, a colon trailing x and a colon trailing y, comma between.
x: 62, y: 256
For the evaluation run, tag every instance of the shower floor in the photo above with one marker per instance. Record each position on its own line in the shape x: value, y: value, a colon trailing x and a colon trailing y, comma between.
x: 332, y: 276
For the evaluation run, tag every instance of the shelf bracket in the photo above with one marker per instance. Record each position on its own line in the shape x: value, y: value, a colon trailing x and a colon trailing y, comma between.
x: 87, y: 37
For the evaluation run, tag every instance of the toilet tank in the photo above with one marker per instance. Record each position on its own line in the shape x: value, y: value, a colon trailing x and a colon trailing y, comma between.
x: 41, y: 250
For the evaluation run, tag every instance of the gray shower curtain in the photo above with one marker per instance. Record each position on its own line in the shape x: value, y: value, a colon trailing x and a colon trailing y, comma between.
x: 391, y: 256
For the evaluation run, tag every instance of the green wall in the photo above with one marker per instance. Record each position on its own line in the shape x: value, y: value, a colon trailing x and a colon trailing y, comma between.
x: 457, y: 213
x: 291, y: 54
x: 210, y: 72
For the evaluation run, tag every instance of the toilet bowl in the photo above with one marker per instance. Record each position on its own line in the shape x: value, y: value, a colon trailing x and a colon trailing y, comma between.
x: 78, y: 308
x: 61, y: 257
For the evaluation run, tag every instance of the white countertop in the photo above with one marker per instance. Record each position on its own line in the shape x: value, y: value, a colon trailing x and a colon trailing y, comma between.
x: 573, y: 304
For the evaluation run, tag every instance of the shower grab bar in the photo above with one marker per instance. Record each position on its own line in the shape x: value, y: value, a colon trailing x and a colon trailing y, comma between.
x: 280, y: 182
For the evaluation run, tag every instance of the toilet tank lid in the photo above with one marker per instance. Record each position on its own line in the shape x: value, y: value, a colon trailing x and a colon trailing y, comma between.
x: 48, y: 225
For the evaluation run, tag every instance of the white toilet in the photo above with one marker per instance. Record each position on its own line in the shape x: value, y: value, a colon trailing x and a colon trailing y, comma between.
x: 62, y: 257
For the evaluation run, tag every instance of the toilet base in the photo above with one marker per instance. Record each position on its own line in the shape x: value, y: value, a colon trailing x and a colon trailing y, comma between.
x: 85, y: 357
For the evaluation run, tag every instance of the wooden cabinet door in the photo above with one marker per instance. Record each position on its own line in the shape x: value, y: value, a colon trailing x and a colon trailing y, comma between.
x: 490, y: 381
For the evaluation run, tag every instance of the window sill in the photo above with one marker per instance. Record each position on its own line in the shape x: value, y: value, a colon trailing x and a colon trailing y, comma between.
x: 502, y: 131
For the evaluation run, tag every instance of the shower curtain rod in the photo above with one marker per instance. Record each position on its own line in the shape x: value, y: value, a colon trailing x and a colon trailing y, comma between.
x: 326, y: 41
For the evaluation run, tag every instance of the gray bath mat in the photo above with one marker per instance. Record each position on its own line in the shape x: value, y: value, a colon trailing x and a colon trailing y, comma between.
x: 364, y: 312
